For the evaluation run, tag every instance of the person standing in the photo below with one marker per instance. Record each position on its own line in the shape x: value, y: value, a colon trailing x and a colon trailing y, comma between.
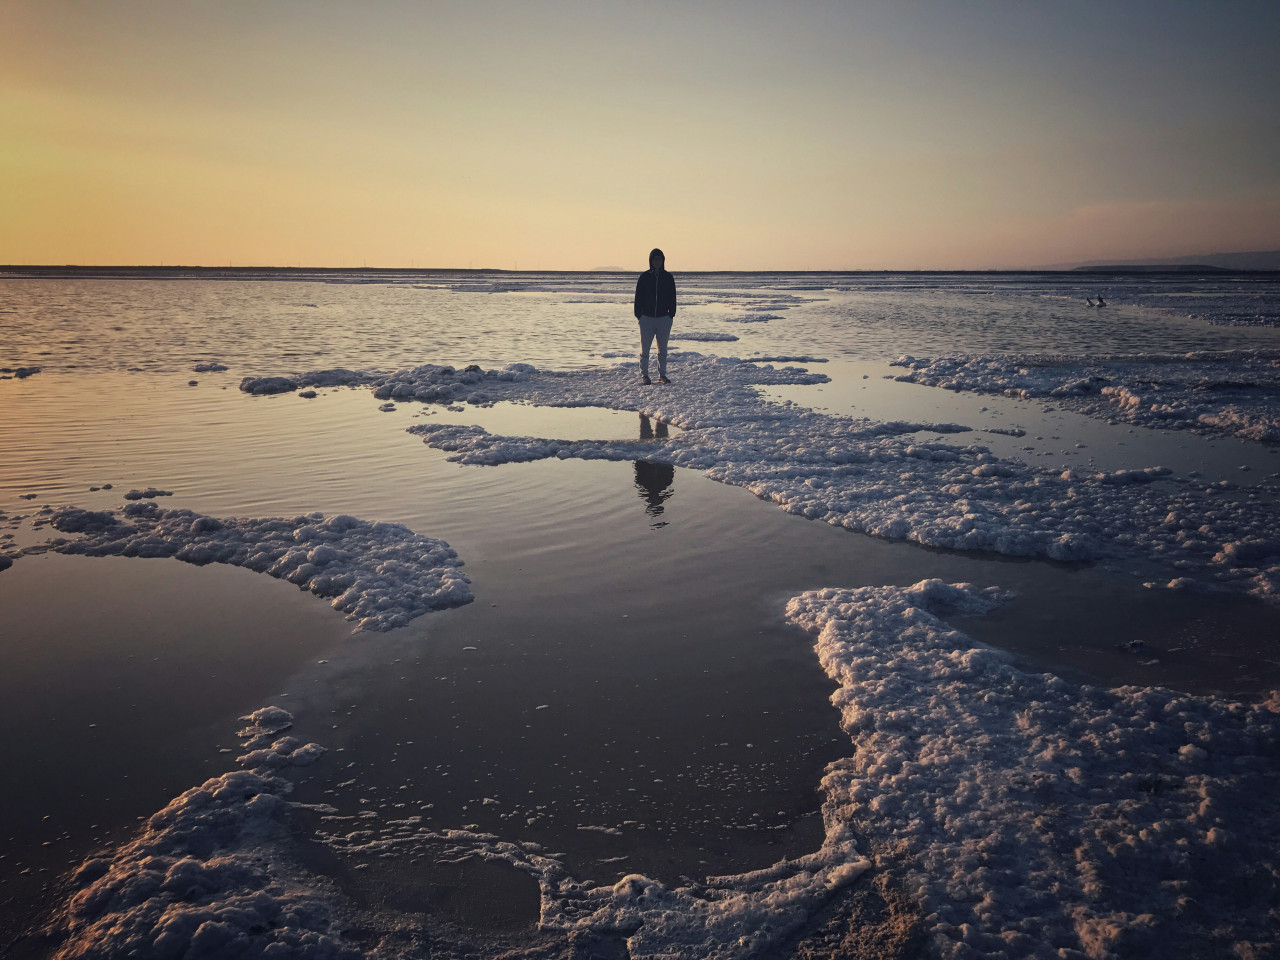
x: 655, y: 309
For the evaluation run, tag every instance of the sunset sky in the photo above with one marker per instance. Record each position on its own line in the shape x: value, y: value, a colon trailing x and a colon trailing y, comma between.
x: 573, y: 135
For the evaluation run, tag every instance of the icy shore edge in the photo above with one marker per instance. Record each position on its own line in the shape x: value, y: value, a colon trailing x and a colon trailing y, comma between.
x: 1029, y: 816
x: 381, y: 575
x: 204, y: 876
x: 1220, y: 394
x: 1032, y: 817
x: 878, y: 478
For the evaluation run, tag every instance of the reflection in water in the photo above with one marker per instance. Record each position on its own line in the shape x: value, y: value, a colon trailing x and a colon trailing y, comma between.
x: 654, y: 479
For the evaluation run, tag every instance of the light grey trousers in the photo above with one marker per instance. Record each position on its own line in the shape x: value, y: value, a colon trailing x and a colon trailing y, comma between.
x: 651, y: 327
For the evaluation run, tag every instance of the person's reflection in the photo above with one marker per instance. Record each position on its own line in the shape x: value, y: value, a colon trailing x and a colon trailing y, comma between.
x: 654, y: 479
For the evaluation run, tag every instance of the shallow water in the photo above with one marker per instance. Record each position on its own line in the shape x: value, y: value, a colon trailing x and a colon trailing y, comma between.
x: 625, y: 664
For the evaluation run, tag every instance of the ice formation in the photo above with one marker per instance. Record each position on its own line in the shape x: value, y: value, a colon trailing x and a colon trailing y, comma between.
x: 871, y: 477
x: 1036, y: 818
x: 1224, y: 393
x: 722, y: 917
x: 213, y: 874
x: 148, y: 494
x: 1028, y: 816
x: 709, y: 336
x: 264, y: 385
x: 381, y: 575
x: 205, y: 877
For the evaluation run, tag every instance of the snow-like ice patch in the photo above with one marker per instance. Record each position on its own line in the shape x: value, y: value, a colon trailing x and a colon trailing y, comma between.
x: 1037, y: 818
x: 265, y: 721
x: 214, y: 874
x: 709, y: 336
x: 265, y: 385
x: 871, y: 477
x: 381, y: 575
x: 1237, y: 394
x: 148, y: 494
x: 208, y: 876
x: 874, y: 477
x: 721, y: 918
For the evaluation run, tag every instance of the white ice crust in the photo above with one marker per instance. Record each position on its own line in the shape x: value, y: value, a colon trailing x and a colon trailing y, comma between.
x: 754, y: 318
x: 1236, y: 394
x: 204, y: 877
x: 1037, y: 818
x: 381, y: 575
x: 1028, y: 816
x: 722, y: 918
x: 709, y: 336
x: 212, y: 875
x: 876, y: 477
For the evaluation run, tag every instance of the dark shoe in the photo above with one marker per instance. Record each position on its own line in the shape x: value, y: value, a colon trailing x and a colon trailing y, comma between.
x: 663, y: 380
x: 644, y: 378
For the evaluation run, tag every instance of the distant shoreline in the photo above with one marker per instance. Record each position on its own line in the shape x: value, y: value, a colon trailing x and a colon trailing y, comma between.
x: 69, y: 271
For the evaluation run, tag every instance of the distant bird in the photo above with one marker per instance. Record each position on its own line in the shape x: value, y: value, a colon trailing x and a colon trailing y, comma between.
x: 1088, y: 301
x: 1101, y: 302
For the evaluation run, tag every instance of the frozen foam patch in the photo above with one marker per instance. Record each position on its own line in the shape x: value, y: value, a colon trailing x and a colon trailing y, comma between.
x: 880, y: 478
x: 1037, y: 818
x: 207, y: 876
x: 1236, y: 393
x: 148, y: 494
x: 264, y: 722
x: 724, y: 918
x: 266, y: 385
x: 381, y: 575
x: 709, y: 336
x: 214, y: 874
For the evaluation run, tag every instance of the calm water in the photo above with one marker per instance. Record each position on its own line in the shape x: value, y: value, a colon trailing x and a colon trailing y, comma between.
x: 625, y: 663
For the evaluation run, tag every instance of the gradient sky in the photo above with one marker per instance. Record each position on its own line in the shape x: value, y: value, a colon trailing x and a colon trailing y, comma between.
x: 567, y: 135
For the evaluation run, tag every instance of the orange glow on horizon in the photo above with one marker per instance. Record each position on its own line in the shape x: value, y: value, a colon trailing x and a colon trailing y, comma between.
x: 817, y: 139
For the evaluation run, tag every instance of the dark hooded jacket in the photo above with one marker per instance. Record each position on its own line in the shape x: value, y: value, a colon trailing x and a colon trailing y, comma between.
x: 655, y: 296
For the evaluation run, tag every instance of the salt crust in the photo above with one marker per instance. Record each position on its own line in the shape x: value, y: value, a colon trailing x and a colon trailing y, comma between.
x: 1036, y: 818
x: 720, y: 918
x: 708, y: 336
x: 381, y: 575
x: 211, y: 875
x: 205, y: 877
x: 871, y: 477
x: 1030, y: 817
x: 148, y: 494
x: 1236, y: 393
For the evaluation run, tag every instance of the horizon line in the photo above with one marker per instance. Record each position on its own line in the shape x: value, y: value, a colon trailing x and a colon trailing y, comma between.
x: 1091, y: 267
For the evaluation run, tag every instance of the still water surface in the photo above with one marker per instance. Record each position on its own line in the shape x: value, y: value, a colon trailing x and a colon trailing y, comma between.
x: 625, y: 664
